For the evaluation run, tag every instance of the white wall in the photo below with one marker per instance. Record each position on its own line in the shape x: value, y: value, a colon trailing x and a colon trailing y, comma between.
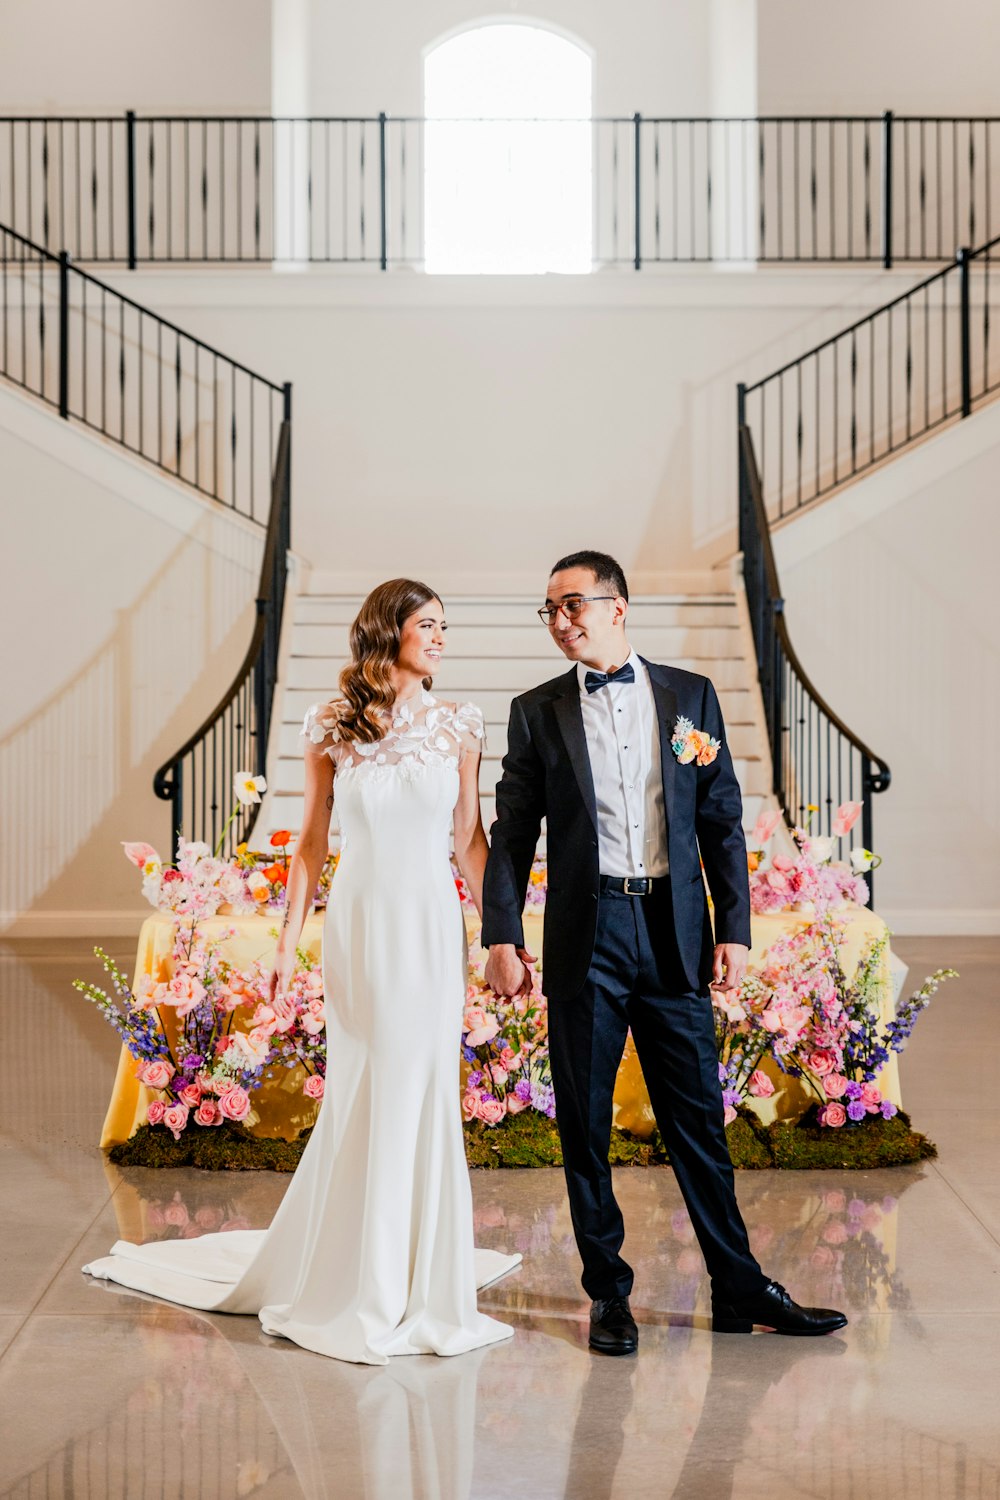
x: 911, y: 56
x: 892, y: 604
x: 477, y: 427
x: 113, y: 55
x: 127, y: 608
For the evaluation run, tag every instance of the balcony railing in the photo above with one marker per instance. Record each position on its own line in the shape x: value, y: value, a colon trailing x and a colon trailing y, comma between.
x: 138, y: 190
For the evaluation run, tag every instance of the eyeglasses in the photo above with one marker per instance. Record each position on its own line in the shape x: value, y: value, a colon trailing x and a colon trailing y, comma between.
x: 570, y: 607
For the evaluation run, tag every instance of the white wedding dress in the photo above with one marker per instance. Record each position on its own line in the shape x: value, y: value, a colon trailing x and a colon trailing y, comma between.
x: 371, y: 1251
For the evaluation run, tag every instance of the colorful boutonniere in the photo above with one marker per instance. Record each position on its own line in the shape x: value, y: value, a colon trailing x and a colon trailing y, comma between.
x: 690, y: 744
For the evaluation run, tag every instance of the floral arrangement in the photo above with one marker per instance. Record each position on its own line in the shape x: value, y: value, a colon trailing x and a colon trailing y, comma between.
x: 534, y: 900
x: 798, y: 1007
x: 207, y: 1073
x: 690, y: 744
x: 812, y: 879
x: 505, y: 1045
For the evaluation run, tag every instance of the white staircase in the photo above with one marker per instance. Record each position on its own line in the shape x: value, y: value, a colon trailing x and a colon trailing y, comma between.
x: 496, y: 648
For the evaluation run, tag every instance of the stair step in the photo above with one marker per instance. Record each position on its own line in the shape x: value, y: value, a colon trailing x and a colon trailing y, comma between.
x: 319, y: 675
x: 523, y: 642
x: 515, y: 615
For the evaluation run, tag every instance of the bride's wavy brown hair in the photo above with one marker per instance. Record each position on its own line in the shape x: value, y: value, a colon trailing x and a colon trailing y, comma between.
x: 365, y: 683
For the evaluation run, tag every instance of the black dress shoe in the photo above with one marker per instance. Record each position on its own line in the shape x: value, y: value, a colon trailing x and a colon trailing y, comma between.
x: 612, y: 1326
x: 774, y: 1308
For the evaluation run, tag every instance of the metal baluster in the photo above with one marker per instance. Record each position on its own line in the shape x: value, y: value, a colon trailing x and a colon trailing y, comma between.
x: 972, y: 182
x: 152, y: 190
x: 656, y: 186
x: 868, y: 190
x: 850, y: 189
x: 168, y: 142
x: 708, y: 189
x: 833, y: 179
x: 909, y: 369
x: 309, y: 191
x: 187, y: 190
x: 177, y: 406
x: 676, y: 196
x: 256, y: 185
x: 204, y: 190
x: 761, y: 208
x: 798, y: 435
x: 232, y: 435
x: 361, y: 135
x: 614, y: 189
x: 923, y: 194
x: 854, y: 409
x: 871, y: 389
x: 939, y: 248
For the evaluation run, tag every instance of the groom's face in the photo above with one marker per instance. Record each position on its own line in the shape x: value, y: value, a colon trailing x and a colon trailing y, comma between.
x: 594, y: 632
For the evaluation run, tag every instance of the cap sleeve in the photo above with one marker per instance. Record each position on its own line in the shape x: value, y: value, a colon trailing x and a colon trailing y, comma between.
x: 321, y: 726
x: 469, y: 729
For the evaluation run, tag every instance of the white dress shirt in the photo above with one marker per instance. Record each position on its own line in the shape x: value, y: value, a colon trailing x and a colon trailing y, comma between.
x: 623, y: 738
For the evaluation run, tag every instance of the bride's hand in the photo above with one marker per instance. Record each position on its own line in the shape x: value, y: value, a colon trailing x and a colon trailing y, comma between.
x: 284, y: 968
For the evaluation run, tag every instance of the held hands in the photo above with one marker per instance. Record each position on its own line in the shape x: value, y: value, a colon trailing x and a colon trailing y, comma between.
x: 729, y: 966
x: 508, y: 970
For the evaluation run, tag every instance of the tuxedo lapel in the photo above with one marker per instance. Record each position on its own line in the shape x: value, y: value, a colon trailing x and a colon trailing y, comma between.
x: 570, y: 721
x: 666, y: 713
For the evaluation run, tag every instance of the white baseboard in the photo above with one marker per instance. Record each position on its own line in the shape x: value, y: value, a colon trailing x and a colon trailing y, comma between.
x: 71, y: 924
x: 942, y: 921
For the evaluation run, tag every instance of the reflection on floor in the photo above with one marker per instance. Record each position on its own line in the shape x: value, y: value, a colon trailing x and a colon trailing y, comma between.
x: 107, y: 1393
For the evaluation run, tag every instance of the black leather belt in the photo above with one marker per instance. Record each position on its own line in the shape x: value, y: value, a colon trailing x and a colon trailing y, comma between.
x: 627, y: 885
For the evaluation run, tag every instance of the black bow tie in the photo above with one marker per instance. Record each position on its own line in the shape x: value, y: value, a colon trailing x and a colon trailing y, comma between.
x: 595, y: 680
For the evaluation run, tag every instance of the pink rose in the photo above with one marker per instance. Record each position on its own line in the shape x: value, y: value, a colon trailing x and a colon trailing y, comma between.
x: 835, y: 1233
x: 833, y: 1115
x: 729, y: 1115
x: 782, y: 862
x: 835, y: 1086
x: 474, y: 1017
x: 821, y: 1063
x: 515, y: 1104
x: 760, y: 1085
x: 822, y: 1258
x: 235, y: 1103
x: 175, y: 1117
x: 835, y: 1202
x: 771, y: 1021
x: 154, y: 1217
x: 155, y: 1074
x: 155, y: 1112
x: 176, y: 1214
x: 471, y: 1105
x: 314, y: 1086
x: 491, y: 1111
x: 207, y: 1113
x: 190, y: 1095
x: 871, y: 1097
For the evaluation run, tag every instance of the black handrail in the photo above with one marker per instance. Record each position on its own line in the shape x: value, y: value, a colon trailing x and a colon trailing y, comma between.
x: 875, y: 189
x: 816, y: 760
x: 888, y: 379
x: 104, y: 360
x: 198, y: 779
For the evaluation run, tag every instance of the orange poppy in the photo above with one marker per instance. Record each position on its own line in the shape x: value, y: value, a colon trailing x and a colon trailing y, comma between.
x: 281, y: 838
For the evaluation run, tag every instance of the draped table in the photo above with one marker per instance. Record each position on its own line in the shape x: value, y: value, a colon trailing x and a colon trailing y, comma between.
x: 284, y: 1112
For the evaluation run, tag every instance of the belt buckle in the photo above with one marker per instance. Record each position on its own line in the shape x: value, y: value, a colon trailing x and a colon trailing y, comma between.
x: 636, y: 880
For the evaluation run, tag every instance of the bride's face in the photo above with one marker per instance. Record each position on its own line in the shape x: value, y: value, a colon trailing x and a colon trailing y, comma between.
x: 421, y: 640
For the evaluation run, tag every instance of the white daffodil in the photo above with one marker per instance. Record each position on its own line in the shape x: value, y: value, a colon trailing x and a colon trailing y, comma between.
x: 248, y: 787
x: 862, y: 860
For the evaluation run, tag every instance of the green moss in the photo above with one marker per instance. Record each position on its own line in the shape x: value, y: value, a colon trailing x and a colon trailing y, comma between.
x: 531, y: 1140
x: 873, y: 1142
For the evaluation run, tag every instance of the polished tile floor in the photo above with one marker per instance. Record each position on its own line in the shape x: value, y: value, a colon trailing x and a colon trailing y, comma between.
x: 105, y: 1393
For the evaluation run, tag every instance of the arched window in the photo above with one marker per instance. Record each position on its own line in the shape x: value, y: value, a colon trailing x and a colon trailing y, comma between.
x: 507, y: 152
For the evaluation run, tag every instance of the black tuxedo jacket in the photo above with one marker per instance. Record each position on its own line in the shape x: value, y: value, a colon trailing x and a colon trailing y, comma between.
x: 547, y: 774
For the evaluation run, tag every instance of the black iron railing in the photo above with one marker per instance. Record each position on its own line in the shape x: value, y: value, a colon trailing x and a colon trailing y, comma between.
x: 103, y: 360
x: 244, y: 189
x: 817, y: 762
x: 862, y: 396
x: 198, y: 781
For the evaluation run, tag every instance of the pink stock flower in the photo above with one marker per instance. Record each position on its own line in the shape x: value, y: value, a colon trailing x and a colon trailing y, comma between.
x: 156, y: 1073
x: 845, y: 818
x: 833, y: 1115
x: 140, y: 854
x: 208, y: 1113
x: 155, y: 1111
x: 763, y: 829
x: 314, y: 1086
x: 835, y: 1086
x: 760, y: 1085
x: 235, y: 1103
x: 175, y: 1117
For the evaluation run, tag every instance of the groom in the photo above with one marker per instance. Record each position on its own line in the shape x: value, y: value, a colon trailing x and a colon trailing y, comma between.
x: 628, y: 942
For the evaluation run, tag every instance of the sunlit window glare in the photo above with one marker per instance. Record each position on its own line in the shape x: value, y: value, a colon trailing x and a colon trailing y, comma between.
x: 507, y: 163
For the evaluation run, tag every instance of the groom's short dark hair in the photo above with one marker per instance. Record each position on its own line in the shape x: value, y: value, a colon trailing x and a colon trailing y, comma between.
x: 606, y: 571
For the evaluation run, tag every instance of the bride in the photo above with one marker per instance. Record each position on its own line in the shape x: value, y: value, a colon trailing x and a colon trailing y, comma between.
x: 371, y: 1252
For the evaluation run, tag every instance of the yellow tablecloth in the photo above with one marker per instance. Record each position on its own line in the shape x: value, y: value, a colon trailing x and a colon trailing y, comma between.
x: 282, y: 1109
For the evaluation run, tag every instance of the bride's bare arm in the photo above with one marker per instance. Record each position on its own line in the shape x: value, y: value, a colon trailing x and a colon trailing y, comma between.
x: 471, y: 847
x: 307, y: 862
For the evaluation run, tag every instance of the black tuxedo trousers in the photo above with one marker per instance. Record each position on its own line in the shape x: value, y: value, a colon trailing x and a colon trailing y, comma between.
x: 637, y: 980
